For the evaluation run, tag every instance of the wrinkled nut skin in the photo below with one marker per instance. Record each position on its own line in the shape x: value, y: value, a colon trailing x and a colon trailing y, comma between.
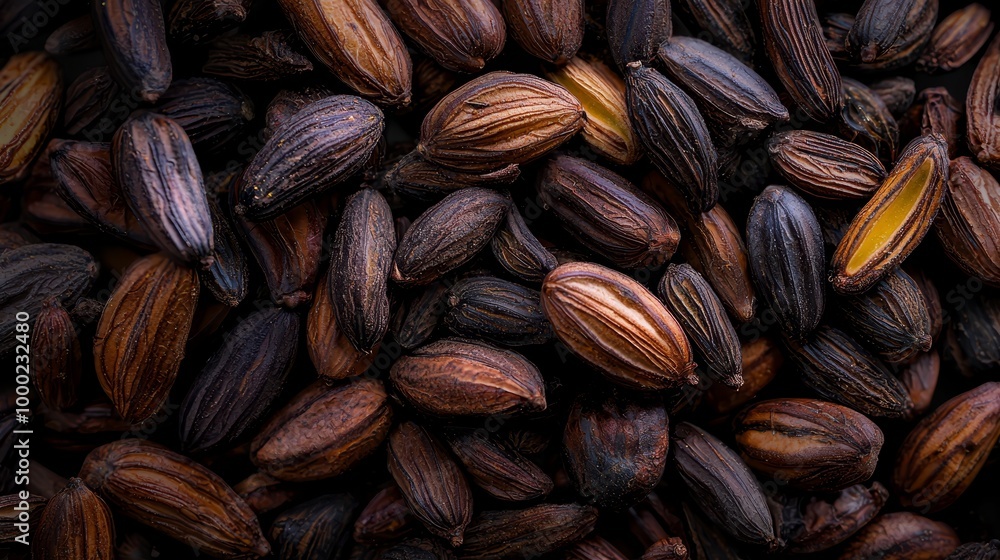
x: 461, y: 35
x: 499, y: 469
x: 268, y: 57
x: 331, y: 352
x: 636, y: 29
x: 314, y: 529
x: 982, y: 114
x: 891, y: 33
x: 968, y: 225
x: 825, y: 166
x: 946, y: 450
x: 866, y: 120
x: 519, y: 252
x: 726, y: 22
x: 810, y: 444
x: 211, y: 112
x: 496, y: 311
x: 551, y: 30
x: 76, y: 523
x: 323, y: 431
x: 618, y: 327
x: 385, y: 518
x: 55, y: 356
x: 176, y: 496
x: 956, y: 39
x: 134, y: 39
x: 30, y: 100
x: 537, y: 530
x: 902, y: 536
x: 820, y: 525
x: 891, y: 318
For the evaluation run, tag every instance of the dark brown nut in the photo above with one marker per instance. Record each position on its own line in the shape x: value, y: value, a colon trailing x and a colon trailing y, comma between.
x: 810, y: 444
x: 314, y: 529
x: 176, y: 496
x: 500, y: 470
x: 356, y: 41
x: 9, y: 516
x: 355, y: 416
x: 794, y: 42
x: 198, y: 21
x: 30, y: 101
x: 269, y: 57
x: 706, y: 537
x: 968, y: 225
x: 819, y: 524
x: 666, y: 549
x: 496, y: 311
x: 594, y: 548
x: 897, y: 92
x: 761, y: 360
x: 895, y: 220
x: 889, y: 34
x: 482, y: 126
x: 75, y: 35
x: 55, y: 356
x: 331, y: 352
x: 437, y: 243
x: 787, y: 260
x: 551, y: 31
x: 944, y: 115
x: 865, y: 119
x: 159, y: 174
x: 89, y: 100
x: 981, y: 108
x: 454, y: 377
x: 946, y: 450
x: 212, y: 113
x: 416, y: 321
x: 76, y: 523
x: 902, y: 536
x: 841, y: 370
x: 461, y: 35
x: 825, y: 166
x: 511, y: 534
x: 264, y: 493
x: 322, y: 145
x: 920, y: 380
x: 141, y: 336
x: 607, y: 214
x: 615, y: 448
x: 240, y: 381
x: 891, y: 318
x: 519, y: 251
x: 973, y: 339
x: 430, y: 481
x: 228, y: 278
x: 135, y: 45
x: 416, y: 178
x: 636, y: 29
x: 288, y: 102
x: 674, y: 134
x: 385, y: 518
x: 726, y: 22
x: 618, y: 327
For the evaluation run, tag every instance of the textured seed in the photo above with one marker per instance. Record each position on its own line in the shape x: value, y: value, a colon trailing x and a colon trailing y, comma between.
x: 795, y: 45
x: 895, y: 220
x: 76, y: 523
x: 199, y: 21
x: 519, y: 251
x: 956, y: 39
x: 89, y: 99
x: 891, y: 318
x: 461, y: 35
x: 135, y: 45
x: 836, y: 26
x: 416, y: 178
x: 74, y: 36
x: 30, y: 100
x: 436, y: 243
x: 726, y: 22
x: 496, y: 311
x: 385, y: 518
x: 453, y: 377
x: 607, y: 214
x: 707, y: 539
x: 415, y: 323
x: 268, y: 57
x: 332, y: 353
x: 920, y: 380
x: 942, y: 114
x: 889, y: 34
x: 900, y: 536
x: 314, y: 529
x: 176, y: 496
x: 55, y: 356
x: 511, y: 534
x: 482, y: 126
x: 810, y: 444
x: 617, y: 326
x: 946, y: 450
x: 973, y: 339
x: 981, y: 108
x: 161, y: 179
x: 264, y: 493
x: 501, y: 471
x: 761, y: 360
x: 865, y: 119
x: 666, y: 549
x: 212, y: 113
x: 430, y: 481
x: 288, y: 102
x: 615, y: 448
x: 9, y: 515
x: 819, y: 524
x: 323, y: 431
x: 140, y: 338
x: 636, y: 29
x: 825, y: 166
x: 594, y: 548
x: 786, y: 257
x: 547, y: 29
x: 674, y: 134
x: 969, y: 223
x: 228, y: 278
x: 897, y: 93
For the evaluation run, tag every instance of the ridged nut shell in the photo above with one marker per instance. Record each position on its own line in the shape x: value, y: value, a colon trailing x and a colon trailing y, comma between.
x: 30, y: 101
x: 901, y: 536
x: 825, y: 166
x: 636, y: 29
x: 968, y: 224
x: 513, y: 534
x: 496, y: 311
x: 76, y: 523
x: 551, y: 30
x: 891, y: 318
x: 461, y: 35
x: 135, y: 45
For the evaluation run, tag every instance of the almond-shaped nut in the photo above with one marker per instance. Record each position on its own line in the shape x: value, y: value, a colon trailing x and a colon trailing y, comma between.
x: 415, y: 178
x: 551, y: 30
x: 211, y: 112
x: 76, y: 523
x: 314, y: 529
x: 820, y: 524
x: 890, y: 34
x: 891, y: 318
x: 901, y: 536
x: 537, y: 530
x: 636, y: 29
x: 825, y: 166
x: 496, y: 311
x: 983, y: 124
x: 332, y: 353
x: 461, y: 35
x: 30, y: 101
x: 386, y: 517
x: 135, y: 45
x: 55, y: 356
x: 519, y: 252
x: 968, y: 225
x: 268, y: 57
x: 499, y: 469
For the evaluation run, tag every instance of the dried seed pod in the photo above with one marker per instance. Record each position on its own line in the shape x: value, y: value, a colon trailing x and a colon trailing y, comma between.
x: 674, y: 134
x: 9, y: 516
x: 615, y: 448
x: 176, y: 496
x: 332, y: 353
x: 88, y: 102
x: 359, y: 268
x: 519, y: 251
x: 666, y: 549
x: 497, y: 311
x: 430, y: 481
x: 74, y: 36
x: 920, y: 379
x: 135, y: 45
x: 810, y: 444
x: 836, y: 26
x: 787, y: 260
x: 288, y: 102
x: 617, y: 326
x: 946, y: 450
x: 942, y: 114
x: 264, y: 493
x: 416, y: 178
x: 288, y: 250
x: 355, y: 417
x: 761, y: 360
x: 436, y: 243
x: 636, y: 29
x: 161, y: 179
x: 55, y: 356
x: 212, y: 113
x: 841, y: 370
x: 417, y: 322
x: 551, y: 30
x: 315, y: 529
x: 825, y: 166
x: 500, y: 470
x: 795, y: 45
x: 897, y: 92
x: 956, y: 39
x: 30, y: 101
x: 865, y: 119
x: 453, y: 377
x: 607, y: 214
x: 511, y: 534
x: 228, y: 278
x: 689, y: 297
x: 482, y: 126
x: 594, y: 548
x: 819, y: 525
x: 461, y: 35
x: 601, y: 92
x: 246, y: 373
x: 76, y: 523
x: 889, y: 34
x: 973, y: 340
x: 198, y: 21
x: 891, y: 318
x: 722, y: 485
x: 269, y: 57
x: 322, y: 145
x: 895, y: 220
x: 385, y: 518
x: 726, y: 22
x: 981, y: 108
x: 154, y: 304
x: 356, y: 41
x: 899, y: 536
x: 969, y: 223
